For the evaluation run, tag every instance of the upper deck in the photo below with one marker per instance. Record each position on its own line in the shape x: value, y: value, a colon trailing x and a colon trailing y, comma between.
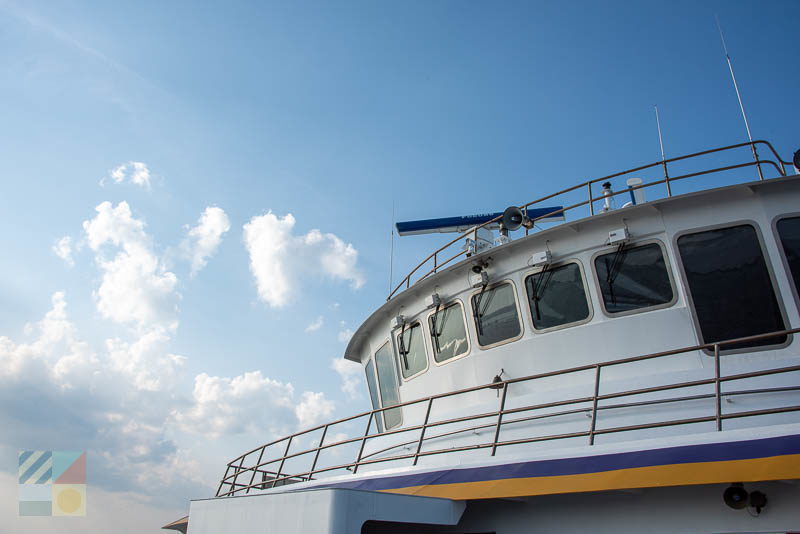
x: 629, y: 337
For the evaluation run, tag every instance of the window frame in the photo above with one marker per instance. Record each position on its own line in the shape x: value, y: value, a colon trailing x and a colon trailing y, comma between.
x: 586, y: 293
x: 772, y: 278
x: 454, y: 302
x: 519, y: 314
x: 609, y: 249
x: 782, y: 253
x: 398, y: 356
x: 371, y: 360
x: 378, y: 381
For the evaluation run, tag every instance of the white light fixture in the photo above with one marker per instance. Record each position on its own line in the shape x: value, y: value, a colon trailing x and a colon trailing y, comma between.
x: 620, y: 235
x: 479, y: 279
x: 540, y: 258
x: 398, y: 321
x: 433, y: 301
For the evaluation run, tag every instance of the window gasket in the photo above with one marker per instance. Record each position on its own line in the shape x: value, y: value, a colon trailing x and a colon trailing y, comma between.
x: 629, y: 246
x: 378, y: 381
x: 454, y: 302
x: 688, y: 294
x: 586, y: 294
x: 516, y: 304
x: 794, y: 289
x: 398, y: 363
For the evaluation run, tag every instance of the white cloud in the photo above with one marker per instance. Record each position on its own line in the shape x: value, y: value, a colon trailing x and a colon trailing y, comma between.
x: 134, y: 172
x: 55, y: 389
x: 135, y: 288
x: 145, y: 362
x: 203, y: 239
x: 278, y: 258
x: 316, y: 324
x: 350, y: 374
x: 236, y: 405
x: 344, y: 335
x: 63, y: 249
x: 314, y: 408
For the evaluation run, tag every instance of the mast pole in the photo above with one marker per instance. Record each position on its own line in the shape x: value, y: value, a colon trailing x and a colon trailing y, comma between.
x: 739, y: 97
x: 663, y: 157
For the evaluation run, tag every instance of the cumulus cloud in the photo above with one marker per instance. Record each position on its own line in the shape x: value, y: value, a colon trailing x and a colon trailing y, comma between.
x: 350, y: 374
x: 202, y: 240
x: 248, y: 402
x: 134, y: 172
x: 146, y: 362
x: 55, y: 389
x: 63, y: 249
x: 136, y: 288
x: 344, y: 335
x: 313, y: 409
x: 279, y: 258
x: 316, y: 324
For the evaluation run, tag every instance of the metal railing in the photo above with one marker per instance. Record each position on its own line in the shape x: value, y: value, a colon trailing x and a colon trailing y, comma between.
x: 667, y: 180
x: 251, y: 471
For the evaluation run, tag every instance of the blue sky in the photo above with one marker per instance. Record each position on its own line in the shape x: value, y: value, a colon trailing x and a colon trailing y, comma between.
x: 330, y: 112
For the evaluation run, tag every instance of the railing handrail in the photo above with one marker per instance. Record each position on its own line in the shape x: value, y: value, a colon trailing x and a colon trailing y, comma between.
x: 717, y: 380
x: 406, y: 281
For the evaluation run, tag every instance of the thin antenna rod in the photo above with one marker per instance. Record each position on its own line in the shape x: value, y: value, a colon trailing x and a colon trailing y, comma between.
x: 663, y: 157
x: 739, y: 97
x: 391, y: 253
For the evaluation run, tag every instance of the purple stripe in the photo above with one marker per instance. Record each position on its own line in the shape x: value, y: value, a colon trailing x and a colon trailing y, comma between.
x: 711, y: 452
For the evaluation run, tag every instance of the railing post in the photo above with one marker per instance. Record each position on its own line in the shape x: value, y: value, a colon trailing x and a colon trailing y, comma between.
x: 363, y: 442
x: 316, y: 455
x: 591, y: 204
x: 718, y: 393
x: 280, y: 466
x: 223, y: 481
x: 422, y: 432
x: 594, y: 404
x: 255, y: 468
x: 236, y: 475
x: 500, y: 418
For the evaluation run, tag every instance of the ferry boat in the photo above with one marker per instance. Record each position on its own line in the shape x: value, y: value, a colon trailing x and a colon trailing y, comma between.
x: 619, y: 356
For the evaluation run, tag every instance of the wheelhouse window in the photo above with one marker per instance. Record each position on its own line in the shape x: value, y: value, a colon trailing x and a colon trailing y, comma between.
x: 633, y: 278
x: 789, y: 232
x: 387, y: 385
x: 448, y: 333
x: 369, y: 369
x: 557, y: 296
x: 411, y: 349
x: 495, y: 313
x: 731, y: 286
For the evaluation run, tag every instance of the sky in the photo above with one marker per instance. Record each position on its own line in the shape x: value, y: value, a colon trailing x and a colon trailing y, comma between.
x: 197, y: 197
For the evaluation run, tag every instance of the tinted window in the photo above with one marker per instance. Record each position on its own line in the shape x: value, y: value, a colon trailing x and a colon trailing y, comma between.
x: 448, y: 333
x: 557, y: 296
x: 789, y: 232
x: 411, y: 347
x: 373, y: 391
x: 387, y: 383
x: 495, y: 313
x: 632, y: 278
x: 730, y: 285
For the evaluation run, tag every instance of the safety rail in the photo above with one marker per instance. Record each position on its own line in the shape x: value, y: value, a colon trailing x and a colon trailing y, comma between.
x: 240, y: 478
x: 779, y: 165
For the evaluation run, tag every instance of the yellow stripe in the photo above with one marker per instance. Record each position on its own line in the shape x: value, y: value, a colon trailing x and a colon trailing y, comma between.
x: 771, y: 468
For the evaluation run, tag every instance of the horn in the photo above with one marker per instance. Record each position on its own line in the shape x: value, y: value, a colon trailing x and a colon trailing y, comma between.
x: 735, y: 496
x: 513, y: 218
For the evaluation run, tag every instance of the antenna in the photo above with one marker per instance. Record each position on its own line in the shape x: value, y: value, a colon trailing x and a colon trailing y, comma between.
x: 739, y: 97
x: 663, y: 157
x: 391, y: 252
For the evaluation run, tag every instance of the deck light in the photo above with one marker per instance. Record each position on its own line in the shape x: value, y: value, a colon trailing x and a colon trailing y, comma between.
x: 398, y: 321
x: 434, y: 301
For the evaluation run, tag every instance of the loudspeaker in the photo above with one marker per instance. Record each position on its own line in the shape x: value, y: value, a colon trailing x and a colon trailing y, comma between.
x: 796, y: 161
x: 758, y: 501
x: 735, y: 497
x: 513, y: 218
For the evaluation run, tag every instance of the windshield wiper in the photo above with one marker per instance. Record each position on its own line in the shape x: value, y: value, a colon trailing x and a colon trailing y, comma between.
x: 436, y: 332
x: 402, y: 347
x: 537, y: 291
x: 614, y: 269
